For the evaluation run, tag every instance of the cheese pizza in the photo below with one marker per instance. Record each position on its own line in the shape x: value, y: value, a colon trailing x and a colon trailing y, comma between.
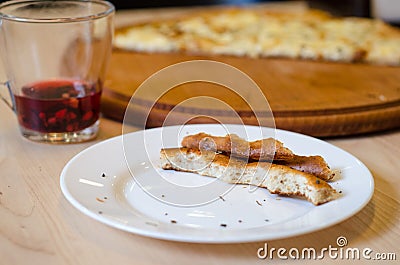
x: 310, y: 35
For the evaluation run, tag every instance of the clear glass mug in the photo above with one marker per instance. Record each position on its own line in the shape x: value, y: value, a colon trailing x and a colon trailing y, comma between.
x: 55, y: 55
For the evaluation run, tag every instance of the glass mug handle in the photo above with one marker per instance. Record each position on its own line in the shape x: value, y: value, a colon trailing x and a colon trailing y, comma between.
x: 9, y: 100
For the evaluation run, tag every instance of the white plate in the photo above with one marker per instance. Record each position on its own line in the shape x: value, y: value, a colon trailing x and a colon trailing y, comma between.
x: 186, y: 207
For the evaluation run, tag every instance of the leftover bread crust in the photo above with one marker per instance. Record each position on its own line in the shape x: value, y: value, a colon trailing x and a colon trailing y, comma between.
x: 268, y: 150
x: 278, y: 179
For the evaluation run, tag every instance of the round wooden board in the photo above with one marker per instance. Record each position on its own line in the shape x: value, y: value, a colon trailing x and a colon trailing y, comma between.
x: 315, y: 98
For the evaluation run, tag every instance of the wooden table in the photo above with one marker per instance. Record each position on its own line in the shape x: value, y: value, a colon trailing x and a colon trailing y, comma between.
x: 39, y: 226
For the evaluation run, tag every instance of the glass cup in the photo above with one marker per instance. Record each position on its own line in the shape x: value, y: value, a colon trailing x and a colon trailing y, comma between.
x: 55, y: 55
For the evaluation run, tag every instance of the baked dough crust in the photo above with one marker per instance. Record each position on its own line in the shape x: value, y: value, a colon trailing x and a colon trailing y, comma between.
x: 278, y: 179
x: 269, y: 150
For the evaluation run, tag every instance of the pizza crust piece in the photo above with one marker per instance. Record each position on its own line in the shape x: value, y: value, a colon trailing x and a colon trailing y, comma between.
x: 278, y: 179
x: 268, y: 150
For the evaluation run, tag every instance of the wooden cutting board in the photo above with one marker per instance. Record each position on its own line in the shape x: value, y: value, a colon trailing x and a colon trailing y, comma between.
x: 315, y: 98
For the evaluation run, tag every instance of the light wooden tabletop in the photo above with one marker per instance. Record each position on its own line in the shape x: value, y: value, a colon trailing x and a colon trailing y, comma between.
x: 39, y: 226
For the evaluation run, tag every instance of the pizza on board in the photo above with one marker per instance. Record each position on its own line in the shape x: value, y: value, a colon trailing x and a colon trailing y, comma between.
x: 310, y: 35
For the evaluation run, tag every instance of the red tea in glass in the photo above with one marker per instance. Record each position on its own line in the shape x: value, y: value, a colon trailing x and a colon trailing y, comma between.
x: 57, y: 106
x: 55, y: 56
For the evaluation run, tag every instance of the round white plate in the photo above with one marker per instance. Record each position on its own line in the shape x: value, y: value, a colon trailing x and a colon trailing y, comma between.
x: 119, y: 182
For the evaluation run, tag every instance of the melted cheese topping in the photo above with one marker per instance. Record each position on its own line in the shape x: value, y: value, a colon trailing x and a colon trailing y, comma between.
x: 243, y: 32
x: 147, y: 39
